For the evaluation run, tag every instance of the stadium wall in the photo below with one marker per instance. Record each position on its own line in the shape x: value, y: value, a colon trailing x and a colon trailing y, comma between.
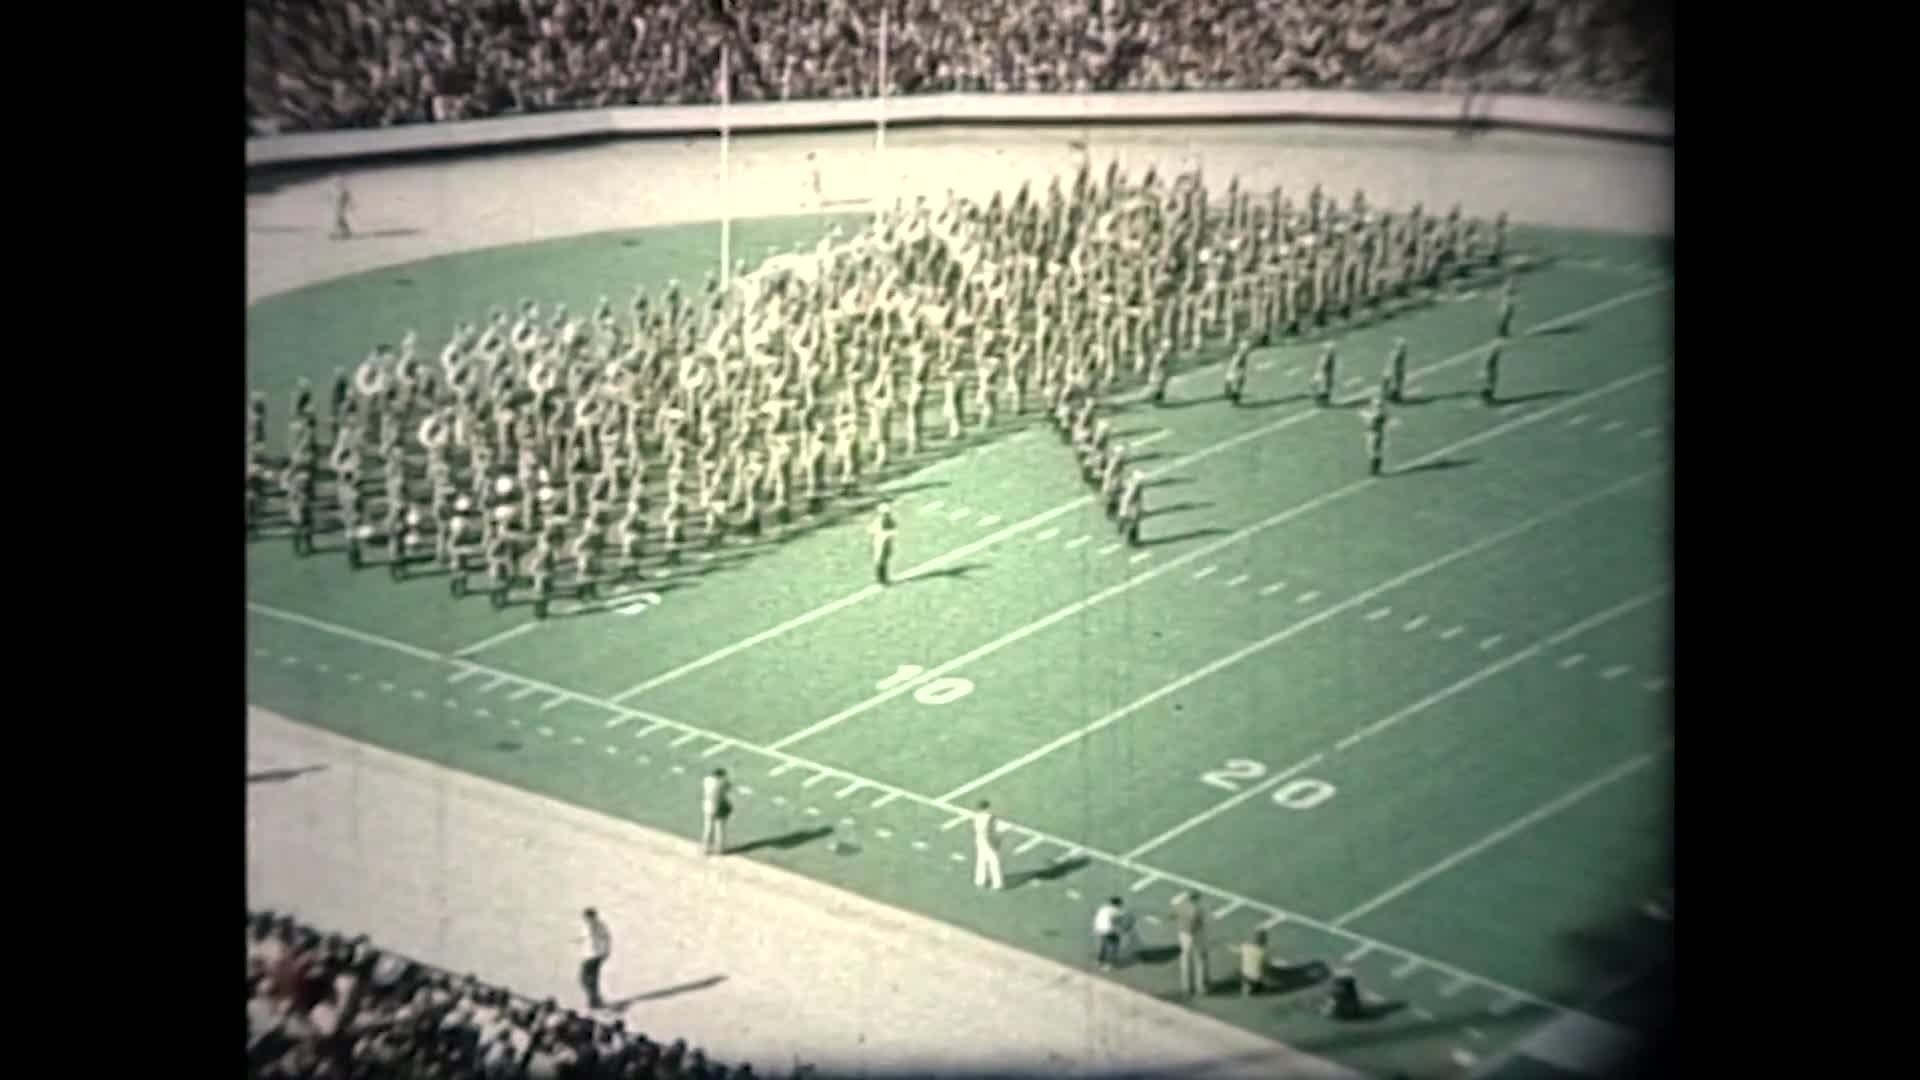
x: 1594, y: 119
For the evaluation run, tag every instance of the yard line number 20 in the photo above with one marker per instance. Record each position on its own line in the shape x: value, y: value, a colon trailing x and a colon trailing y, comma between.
x: 1303, y: 793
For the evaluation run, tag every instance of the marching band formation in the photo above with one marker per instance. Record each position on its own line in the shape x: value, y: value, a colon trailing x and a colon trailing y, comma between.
x: 546, y: 454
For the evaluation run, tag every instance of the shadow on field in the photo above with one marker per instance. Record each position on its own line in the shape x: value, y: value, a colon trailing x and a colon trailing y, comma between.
x: 784, y: 841
x: 281, y: 776
x: 1434, y: 466
x: 1538, y: 395
x: 1050, y: 872
x: 667, y: 992
x: 943, y: 572
x: 1190, y: 534
x: 1176, y: 508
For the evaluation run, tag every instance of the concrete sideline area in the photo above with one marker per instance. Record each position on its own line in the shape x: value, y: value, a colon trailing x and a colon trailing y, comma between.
x: 750, y: 962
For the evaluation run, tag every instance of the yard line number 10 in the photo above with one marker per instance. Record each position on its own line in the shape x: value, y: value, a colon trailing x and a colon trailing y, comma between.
x: 1303, y: 793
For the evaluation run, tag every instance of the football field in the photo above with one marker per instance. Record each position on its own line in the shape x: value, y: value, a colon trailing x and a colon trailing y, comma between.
x: 1413, y: 726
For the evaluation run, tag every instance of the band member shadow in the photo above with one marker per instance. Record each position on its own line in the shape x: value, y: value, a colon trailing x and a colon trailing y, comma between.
x: 1280, y: 980
x: 1050, y: 872
x: 1436, y: 465
x: 1190, y: 534
x: 1276, y: 402
x: 784, y: 841
x: 945, y: 572
x: 710, y: 981
x: 1537, y: 395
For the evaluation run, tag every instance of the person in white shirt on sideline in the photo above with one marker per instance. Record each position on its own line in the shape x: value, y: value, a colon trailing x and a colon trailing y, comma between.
x: 986, y: 849
x: 715, y: 808
x: 1109, y: 926
x: 596, y: 944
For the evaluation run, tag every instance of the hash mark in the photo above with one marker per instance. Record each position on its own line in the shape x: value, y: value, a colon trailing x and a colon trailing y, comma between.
x: 1145, y: 881
x: 958, y: 514
x: 387, y: 686
x: 1491, y: 642
x: 884, y: 800
x: 932, y: 505
x: 1204, y: 573
x: 323, y: 668
x: 1231, y: 582
x: 488, y: 689
x: 1272, y: 921
x: 522, y: 692
x: 883, y: 833
x: 1049, y: 534
x: 989, y: 520
x: 554, y: 702
x: 687, y: 738
x: 956, y: 856
x: 1615, y: 671
x: 781, y: 768
x: 1414, y: 623
x: 547, y: 731
x: 1578, y: 420
x: 814, y: 779
x: 1572, y: 661
x: 1077, y: 541
x: 1613, y: 425
x: 1647, y: 433
x: 919, y: 845
x: 848, y: 790
x: 481, y: 712
x: 1028, y: 846
x: 1365, y: 948
x: 463, y: 674
x: 1379, y: 613
x: 680, y: 768
x: 1406, y: 969
x: 813, y: 811
x: 1109, y: 549
x: 1141, y: 557
x: 1452, y: 632
x: 1269, y: 590
x: 1308, y: 597
x: 578, y: 741
x: 419, y: 695
x: 716, y: 748
x: 1654, y: 686
x: 1453, y: 988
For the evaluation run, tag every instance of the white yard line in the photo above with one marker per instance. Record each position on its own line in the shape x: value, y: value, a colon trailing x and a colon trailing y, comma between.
x: 1611, y: 776
x: 1270, y: 640
x: 1195, y: 555
x: 490, y: 642
x: 1048, y: 515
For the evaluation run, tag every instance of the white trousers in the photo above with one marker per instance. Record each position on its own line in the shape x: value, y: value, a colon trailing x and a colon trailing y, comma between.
x: 986, y: 867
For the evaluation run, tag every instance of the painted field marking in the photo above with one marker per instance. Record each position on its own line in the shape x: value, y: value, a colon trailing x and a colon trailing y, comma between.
x: 1269, y: 590
x: 1487, y: 644
x: 649, y: 729
x: 1048, y: 534
x: 781, y: 768
x: 489, y: 642
x: 1647, y: 433
x: 883, y: 800
x: 883, y: 833
x: 1118, y: 861
x: 419, y: 695
x: 1578, y: 420
x: 612, y: 751
x: 323, y: 668
x: 679, y: 769
x: 956, y: 856
x: 1236, y: 581
x: 1572, y: 661
x: 1616, y: 671
x: 744, y: 789
x: 813, y: 811
x: 1269, y: 641
x: 289, y: 659
x: 1611, y: 776
x: 578, y: 740
x: 555, y: 702
x: 1205, y: 573
x: 1067, y: 507
x: 1308, y: 597
x: 1379, y: 613
x: 716, y: 748
x: 815, y: 779
x: 1140, y: 557
x: 618, y: 720
x: 848, y: 790
x: 960, y: 513
x: 1145, y: 882
x: 525, y: 691
x: 1414, y: 623
x: 684, y: 739
x: 643, y: 759
x: 1452, y: 632
x: 1153, y: 438
x: 1364, y: 948
x: 1272, y: 921
x: 1454, y: 987
x: 1109, y: 549
x: 1028, y: 846
x: 1406, y: 969
x: 462, y: 675
x: 1077, y: 541
x: 919, y: 845
x: 481, y: 712
x: 988, y: 520
x: 1654, y: 686
x: 1613, y: 425
x: 386, y: 686
x: 1231, y: 907
x: 547, y: 731
x: 494, y: 683
x: 956, y: 821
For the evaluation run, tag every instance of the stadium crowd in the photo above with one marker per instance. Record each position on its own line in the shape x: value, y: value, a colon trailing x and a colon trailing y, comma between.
x: 322, y: 1006
x: 326, y: 64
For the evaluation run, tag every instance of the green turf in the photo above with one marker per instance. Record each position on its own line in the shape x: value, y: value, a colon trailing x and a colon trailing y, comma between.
x: 1420, y: 608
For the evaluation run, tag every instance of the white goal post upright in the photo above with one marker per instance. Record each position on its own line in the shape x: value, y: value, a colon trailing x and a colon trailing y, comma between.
x: 726, y: 176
